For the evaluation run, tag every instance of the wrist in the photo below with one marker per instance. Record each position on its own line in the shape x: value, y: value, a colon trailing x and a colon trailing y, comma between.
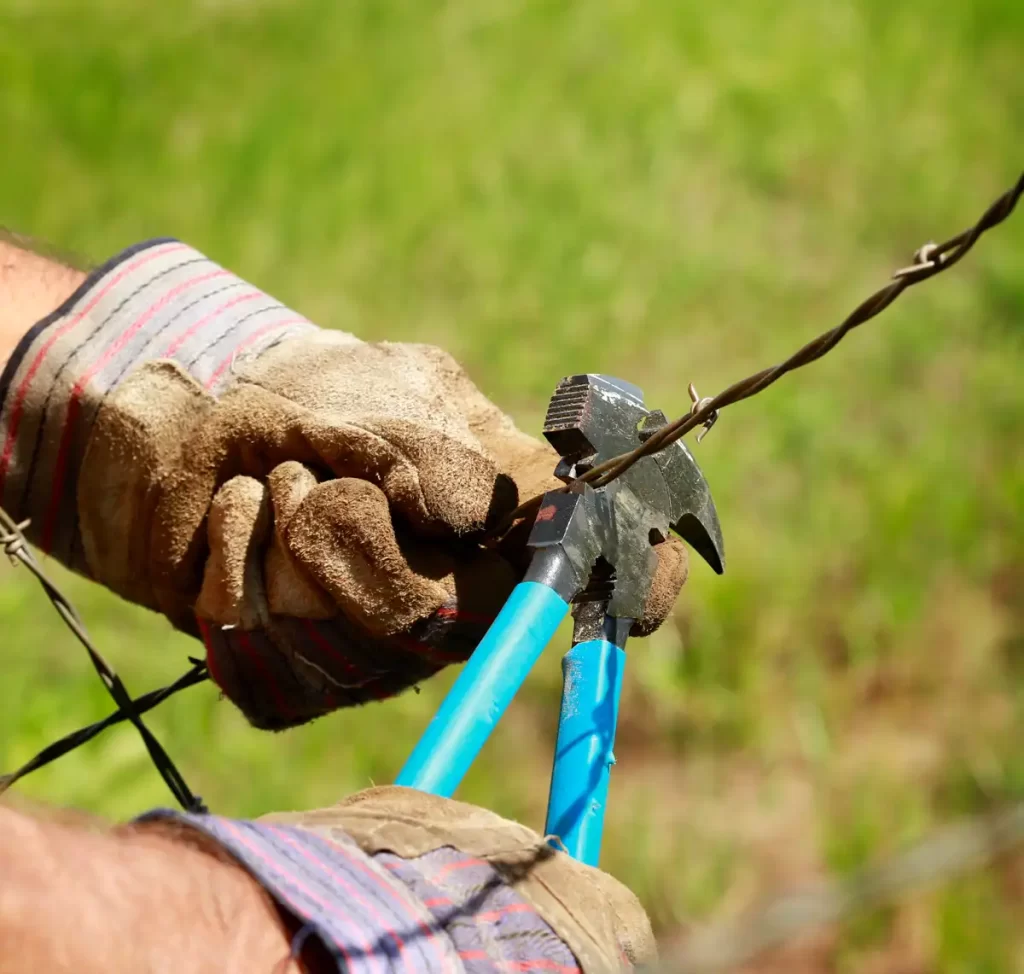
x: 32, y: 286
x: 238, y: 902
x: 84, y: 900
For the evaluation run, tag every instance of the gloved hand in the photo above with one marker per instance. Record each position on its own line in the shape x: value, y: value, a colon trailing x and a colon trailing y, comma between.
x: 309, y: 504
x: 475, y: 890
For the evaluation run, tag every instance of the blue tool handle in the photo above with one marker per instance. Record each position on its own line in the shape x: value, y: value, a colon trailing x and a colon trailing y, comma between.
x: 484, y: 689
x: 592, y: 683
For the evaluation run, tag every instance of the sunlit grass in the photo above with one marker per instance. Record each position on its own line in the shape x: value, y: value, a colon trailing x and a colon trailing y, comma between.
x: 669, y: 192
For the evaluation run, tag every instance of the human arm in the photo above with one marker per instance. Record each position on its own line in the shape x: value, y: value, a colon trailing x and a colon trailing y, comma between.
x: 389, y: 879
x: 80, y: 898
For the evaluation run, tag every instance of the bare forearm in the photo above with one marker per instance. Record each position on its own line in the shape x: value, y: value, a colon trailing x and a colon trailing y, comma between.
x: 80, y: 898
x: 31, y: 286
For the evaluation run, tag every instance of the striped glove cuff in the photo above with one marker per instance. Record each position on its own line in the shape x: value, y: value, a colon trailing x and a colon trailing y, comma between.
x: 157, y: 300
x: 443, y: 911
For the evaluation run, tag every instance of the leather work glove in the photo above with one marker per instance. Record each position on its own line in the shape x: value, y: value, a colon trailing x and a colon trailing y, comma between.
x: 308, y: 504
x: 481, y: 892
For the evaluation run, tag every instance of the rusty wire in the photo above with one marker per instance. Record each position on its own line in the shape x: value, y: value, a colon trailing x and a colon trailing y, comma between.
x: 13, y: 542
x: 929, y: 260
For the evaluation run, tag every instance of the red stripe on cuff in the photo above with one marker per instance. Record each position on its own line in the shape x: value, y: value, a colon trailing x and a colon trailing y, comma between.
x: 18, y: 402
x: 336, y: 877
x: 504, y: 911
x: 74, y: 402
x: 276, y: 867
x: 452, y: 867
x: 192, y: 329
x: 437, y: 900
x: 519, y: 965
x: 379, y: 880
x: 542, y: 964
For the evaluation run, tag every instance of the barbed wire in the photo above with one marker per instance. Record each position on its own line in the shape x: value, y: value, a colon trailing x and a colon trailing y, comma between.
x: 16, y: 547
x: 949, y: 851
x: 929, y: 260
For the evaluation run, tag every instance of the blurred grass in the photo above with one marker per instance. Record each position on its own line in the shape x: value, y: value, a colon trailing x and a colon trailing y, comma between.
x: 669, y: 192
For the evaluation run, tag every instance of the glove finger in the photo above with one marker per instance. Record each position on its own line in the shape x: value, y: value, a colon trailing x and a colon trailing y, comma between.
x: 440, y: 485
x: 238, y: 526
x: 332, y: 546
x: 291, y: 590
x: 528, y: 461
x: 249, y: 573
x: 669, y: 577
x: 344, y: 537
x: 444, y: 486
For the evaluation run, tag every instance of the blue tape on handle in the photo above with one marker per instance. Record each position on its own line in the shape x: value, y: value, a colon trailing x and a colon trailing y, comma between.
x: 592, y: 683
x: 484, y: 689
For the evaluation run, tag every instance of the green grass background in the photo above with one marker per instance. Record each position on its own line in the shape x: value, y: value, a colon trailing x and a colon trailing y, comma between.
x: 671, y: 192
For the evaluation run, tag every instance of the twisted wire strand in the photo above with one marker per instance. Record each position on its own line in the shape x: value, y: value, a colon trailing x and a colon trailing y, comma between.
x: 13, y: 542
x: 69, y: 742
x: 930, y: 260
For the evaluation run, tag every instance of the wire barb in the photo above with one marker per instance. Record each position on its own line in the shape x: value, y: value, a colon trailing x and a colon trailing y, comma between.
x: 12, y: 540
x: 698, y: 405
x: 926, y: 258
x: 931, y: 259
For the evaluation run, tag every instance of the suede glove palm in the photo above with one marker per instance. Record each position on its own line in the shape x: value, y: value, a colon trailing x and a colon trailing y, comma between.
x: 307, y: 503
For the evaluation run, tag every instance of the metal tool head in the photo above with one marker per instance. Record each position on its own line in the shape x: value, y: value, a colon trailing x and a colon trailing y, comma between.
x: 590, y: 419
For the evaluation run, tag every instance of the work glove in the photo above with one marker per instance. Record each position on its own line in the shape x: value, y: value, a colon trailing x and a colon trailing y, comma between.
x: 310, y: 505
x: 398, y: 879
